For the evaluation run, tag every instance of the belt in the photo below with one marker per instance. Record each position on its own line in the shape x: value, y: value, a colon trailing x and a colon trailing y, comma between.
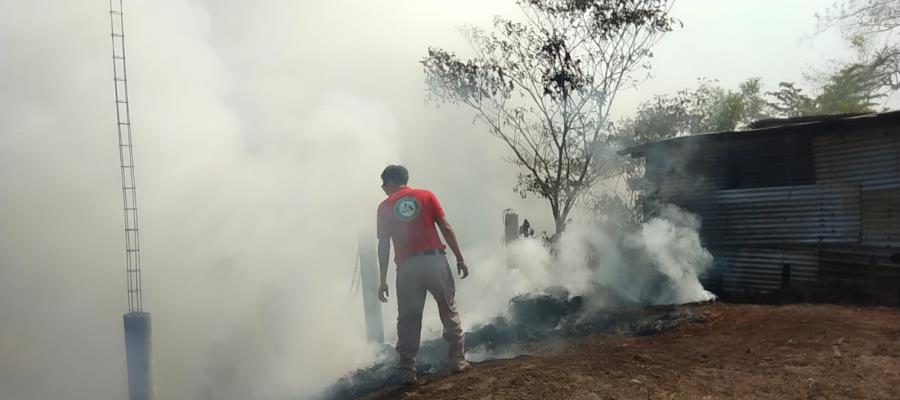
x: 428, y: 252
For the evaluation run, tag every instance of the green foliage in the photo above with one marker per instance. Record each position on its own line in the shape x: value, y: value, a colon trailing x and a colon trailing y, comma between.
x: 708, y: 108
x: 852, y: 89
x: 753, y: 102
x: 790, y: 101
x: 660, y: 118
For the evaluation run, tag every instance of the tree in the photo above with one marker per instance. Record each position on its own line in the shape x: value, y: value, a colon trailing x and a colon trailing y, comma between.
x: 790, y: 101
x: 661, y: 118
x: 875, y: 71
x: 545, y: 85
x: 859, y: 18
x: 708, y: 108
x: 754, y: 106
x: 872, y: 27
x: 853, y: 88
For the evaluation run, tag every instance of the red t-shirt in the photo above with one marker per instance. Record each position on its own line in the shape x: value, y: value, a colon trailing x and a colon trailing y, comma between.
x: 407, y: 217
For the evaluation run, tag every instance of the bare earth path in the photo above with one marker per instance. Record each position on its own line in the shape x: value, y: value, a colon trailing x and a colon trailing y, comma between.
x: 742, y: 352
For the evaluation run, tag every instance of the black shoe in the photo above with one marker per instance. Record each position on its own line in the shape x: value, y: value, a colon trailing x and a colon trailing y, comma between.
x: 408, y: 379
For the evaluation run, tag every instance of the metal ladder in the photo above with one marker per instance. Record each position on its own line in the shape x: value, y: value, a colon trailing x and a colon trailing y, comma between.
x: 126, y: 158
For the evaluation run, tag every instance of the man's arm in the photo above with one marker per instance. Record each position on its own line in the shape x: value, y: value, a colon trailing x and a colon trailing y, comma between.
x: 450, y: 237
x: 384, y: 253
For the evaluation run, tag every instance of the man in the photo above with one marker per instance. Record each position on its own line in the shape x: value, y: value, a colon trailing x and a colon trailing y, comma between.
x: 408, y: 217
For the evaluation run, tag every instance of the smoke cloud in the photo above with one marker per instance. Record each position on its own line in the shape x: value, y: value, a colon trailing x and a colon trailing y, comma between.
x: 596, y: 278
x: 658, y: 262
x: 260, y: 131
x: 257, y: 161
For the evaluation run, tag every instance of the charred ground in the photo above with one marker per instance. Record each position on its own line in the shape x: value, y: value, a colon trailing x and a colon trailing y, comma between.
x: 532, y: 318
x: 738, y: 351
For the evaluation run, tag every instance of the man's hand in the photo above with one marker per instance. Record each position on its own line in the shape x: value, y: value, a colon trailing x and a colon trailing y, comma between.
x: 383, y: 292
x: 462, y: 269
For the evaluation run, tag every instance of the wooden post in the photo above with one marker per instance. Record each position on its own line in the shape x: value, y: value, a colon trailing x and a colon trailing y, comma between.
x: 369, y: 280
x: 872, y: 280
x: 785, y: 276
x: 511, y: 225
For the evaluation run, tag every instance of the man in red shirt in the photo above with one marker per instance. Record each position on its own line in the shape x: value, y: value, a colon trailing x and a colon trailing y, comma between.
x: 408, y: 217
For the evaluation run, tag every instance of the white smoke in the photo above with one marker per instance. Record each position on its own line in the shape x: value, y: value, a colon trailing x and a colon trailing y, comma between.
x: 658, y: 262
x: 258, y: 143
x: 672, y: 243
x: 260, y: 130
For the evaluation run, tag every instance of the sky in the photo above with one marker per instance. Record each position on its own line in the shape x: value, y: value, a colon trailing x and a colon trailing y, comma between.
x: 260, y: 132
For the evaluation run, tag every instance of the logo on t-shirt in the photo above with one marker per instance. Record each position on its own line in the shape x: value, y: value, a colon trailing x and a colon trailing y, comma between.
x: 407, y: 208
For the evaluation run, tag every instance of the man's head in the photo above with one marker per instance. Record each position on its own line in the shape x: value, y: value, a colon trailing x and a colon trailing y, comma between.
x: 393, y: 177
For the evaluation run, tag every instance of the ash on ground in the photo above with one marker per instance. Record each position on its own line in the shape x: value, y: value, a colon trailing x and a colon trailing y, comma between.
x: 531, y: 318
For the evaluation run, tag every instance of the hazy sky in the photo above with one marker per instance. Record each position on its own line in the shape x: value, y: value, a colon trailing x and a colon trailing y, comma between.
x: 260, y: 130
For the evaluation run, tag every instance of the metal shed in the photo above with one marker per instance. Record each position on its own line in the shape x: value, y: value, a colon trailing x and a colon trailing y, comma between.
x: 807, y: 206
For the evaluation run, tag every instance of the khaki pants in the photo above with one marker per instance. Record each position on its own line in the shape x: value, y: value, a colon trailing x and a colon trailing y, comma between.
x: 416, y: 276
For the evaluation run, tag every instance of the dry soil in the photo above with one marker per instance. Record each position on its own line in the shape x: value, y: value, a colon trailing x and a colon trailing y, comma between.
x: 802, y: 351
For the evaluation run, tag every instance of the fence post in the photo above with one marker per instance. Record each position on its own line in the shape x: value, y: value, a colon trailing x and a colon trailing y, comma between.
x: 369, y: 280
x: 510, y: 225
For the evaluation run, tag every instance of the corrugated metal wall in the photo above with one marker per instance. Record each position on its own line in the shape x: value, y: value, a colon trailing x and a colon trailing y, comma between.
x: 813, y: 214
x: 867, y: 157
x: 871, y: 158
x: 881, y: 218
x: 688, y: 169
x: 836, y: 207
x: 761, y: 269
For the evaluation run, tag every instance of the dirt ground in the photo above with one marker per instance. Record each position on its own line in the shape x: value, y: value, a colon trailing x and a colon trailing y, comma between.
x: 800, y: 351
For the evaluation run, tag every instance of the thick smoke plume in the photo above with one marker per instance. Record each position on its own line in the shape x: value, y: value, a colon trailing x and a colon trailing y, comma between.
x: 657, y: 262
x: 257, y: 161
x: 595, y: 279
x: 260, y: 131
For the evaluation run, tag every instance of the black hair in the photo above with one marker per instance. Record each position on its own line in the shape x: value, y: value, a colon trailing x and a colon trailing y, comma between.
x: 396, y: 174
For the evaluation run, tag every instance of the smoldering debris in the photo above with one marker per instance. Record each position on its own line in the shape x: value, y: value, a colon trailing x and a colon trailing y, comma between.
x: 601, y: 280
x: 530, y: 318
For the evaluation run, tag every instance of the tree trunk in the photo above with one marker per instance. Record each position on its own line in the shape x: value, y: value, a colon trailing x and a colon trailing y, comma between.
x: 559, y: 217
x: 560, y: 225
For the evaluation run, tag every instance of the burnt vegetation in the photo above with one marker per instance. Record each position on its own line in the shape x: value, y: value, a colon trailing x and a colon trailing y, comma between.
x: 530, y: 318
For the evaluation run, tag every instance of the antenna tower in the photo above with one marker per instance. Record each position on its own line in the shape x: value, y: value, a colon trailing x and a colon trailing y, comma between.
x: 138, y: 348
x: 126, y: 159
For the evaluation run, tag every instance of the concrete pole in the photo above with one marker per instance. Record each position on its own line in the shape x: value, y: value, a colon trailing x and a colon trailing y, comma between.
x: 369, y: 280
x: 138, y: 354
